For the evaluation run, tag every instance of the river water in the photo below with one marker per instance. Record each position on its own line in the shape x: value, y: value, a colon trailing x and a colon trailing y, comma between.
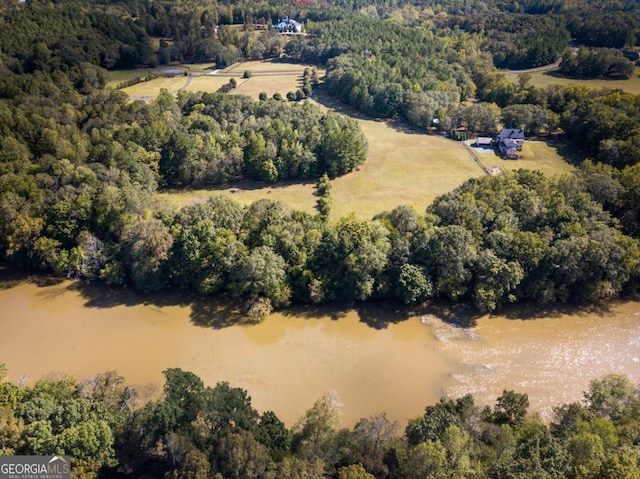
x: 372, y: 358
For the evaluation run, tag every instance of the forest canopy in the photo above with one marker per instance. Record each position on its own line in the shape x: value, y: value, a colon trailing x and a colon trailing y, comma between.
x: 195, y: 430
x: 80, y: 164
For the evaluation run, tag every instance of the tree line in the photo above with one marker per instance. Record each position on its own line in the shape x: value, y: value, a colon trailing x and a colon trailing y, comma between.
x: 80, y: 165
x: 198, y: 431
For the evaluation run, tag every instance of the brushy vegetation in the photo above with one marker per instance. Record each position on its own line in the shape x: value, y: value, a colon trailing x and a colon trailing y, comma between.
x: 78, y: 180
x: 201, y: 431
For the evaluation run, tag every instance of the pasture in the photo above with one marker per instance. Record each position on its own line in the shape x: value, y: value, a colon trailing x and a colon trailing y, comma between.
x: 544, y: 79
x: 208, y: 83
x: 403, y: 166
x: 269, y: 76
x: 152, y: 88
x: 118, y: 76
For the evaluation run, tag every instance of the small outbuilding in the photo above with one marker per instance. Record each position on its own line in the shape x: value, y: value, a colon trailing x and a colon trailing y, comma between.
x: 510, y: 142
x: 484, y: 142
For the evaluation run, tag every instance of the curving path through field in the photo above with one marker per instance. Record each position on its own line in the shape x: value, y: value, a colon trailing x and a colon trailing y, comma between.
x: 545, y: 68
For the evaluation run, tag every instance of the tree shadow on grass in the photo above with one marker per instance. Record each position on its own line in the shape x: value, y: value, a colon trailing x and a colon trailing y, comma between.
x: 565, y: 148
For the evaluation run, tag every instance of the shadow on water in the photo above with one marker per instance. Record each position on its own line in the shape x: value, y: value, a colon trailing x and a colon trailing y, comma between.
x: 375, y: 314
x: 460, y: 315
x: 222, y: 311
x: 529, y: 311
x: 206, y: 311
x: 99, y: 295
x: 10, y: 278
x: 218, y: 312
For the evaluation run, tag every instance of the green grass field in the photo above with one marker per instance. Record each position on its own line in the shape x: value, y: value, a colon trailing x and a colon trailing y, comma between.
x: 538, y: 155
x: 264, y: 66
x: 208, y: 83
x: 403, y: 167
x: 543, y: 79
x: 270, y: 76
x: 118, y: 76
x: 153, y: 87
x: 268, y: 84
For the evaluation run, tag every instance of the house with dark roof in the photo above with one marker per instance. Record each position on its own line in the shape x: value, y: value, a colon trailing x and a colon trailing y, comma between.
x: 510, y: 143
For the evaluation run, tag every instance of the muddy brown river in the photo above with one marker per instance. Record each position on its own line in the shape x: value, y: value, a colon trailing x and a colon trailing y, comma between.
x: 373, y: 358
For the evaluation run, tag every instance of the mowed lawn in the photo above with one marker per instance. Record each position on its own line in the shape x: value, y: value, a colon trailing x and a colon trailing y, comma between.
x: 267, y: 66
x: 544, y: 79
x: 209, y: 83
x: 269, y: 84
x: 268, y: 76
x: 537, y: 155
x: 541, y: 156
x: 403, y: 166
x: 152, y: 88
x: 118, y: 76
x: 401, y: 169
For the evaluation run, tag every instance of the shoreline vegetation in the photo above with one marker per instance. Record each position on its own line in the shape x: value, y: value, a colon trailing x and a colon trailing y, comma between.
x: 81, y: 165
x: 216, y: 431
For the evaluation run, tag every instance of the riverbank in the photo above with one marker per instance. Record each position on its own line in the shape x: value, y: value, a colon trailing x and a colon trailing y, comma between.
x: 296, y: 356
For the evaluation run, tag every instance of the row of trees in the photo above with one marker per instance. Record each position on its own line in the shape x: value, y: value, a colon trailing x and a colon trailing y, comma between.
x: 596, y: 63
x: 197, y: 431
x: 518, y: 237
x: 79, y: 166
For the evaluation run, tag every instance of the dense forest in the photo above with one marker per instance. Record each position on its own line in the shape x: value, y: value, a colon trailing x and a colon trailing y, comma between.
x: 79, y: 164
x: 196, y: 431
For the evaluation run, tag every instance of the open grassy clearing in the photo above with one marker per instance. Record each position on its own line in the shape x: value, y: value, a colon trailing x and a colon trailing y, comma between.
x: 268, y: 84
x: 540, y: 156
x: 153, y: 87
x: 118, y: 76
x: 537, y: 155
x: 208, y: 83
x: 270, y: 76
x: 403, y: 167
x: 544, y: 79
x: 263, y: 66
x: 297, y: 195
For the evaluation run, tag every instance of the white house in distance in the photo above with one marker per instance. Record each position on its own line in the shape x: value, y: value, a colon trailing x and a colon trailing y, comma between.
x: 287, y: 25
